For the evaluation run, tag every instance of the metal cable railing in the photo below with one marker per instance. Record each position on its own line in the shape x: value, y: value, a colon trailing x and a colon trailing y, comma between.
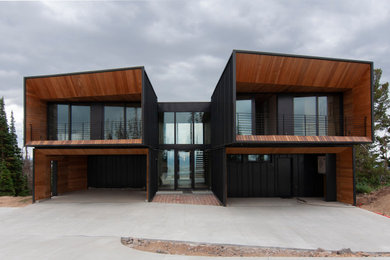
x: 105, y: 130
x: 297, y: 124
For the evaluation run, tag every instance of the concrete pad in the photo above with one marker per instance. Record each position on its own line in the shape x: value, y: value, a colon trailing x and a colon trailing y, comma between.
x: 91, y: 223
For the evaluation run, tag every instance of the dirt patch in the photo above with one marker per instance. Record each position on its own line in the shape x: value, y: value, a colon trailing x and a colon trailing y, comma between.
x: 376, y: 201
x: 206, y: 249
x: 9, y: 201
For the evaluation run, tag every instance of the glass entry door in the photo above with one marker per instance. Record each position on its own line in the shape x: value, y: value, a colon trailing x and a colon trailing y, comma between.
x: 184, y: 173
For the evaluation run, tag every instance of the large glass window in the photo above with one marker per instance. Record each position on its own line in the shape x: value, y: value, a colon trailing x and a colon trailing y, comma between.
x: 167, y: 133
x: 134, y: 122
x: 322, y: 116
x: 184, y: 128
x: 167, y: 169
x: 114, y: 123
x: 200, y: 169
x: 312, y: 117
x: 81, y: 122
x: 198, y: 127
x: 244, y: 117
x: 305, y: 116
x: 62, y: 122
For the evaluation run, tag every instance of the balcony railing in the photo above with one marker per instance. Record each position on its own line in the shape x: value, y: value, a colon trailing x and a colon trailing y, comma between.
x: 107, y: 130
x: 301, y: 125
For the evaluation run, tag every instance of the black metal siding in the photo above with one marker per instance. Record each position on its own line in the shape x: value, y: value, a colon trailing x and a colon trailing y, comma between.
x: 222, y: 108
x: 150, y: 131
x: 117, y: 171
x: 284, y: 176
x: 219, y: 174
x: 149, y: 113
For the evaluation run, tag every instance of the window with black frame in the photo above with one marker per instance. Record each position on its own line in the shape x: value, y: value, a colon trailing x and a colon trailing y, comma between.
x: 79, y: 121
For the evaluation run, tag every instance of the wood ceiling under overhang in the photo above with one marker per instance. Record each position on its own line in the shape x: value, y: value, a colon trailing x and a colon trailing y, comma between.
x: 116, y: 85
x: 274, y: 73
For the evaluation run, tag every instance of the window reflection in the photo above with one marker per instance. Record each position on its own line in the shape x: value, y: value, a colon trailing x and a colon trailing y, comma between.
x: 114, y: 123
x: 198, y: 127
x: 166, y: 169
x: 184, y: 128
x: 133, y: 122
x: 81, y: 122
x: 62, y: 122
x: 244, y: 117
x: 190, y: 128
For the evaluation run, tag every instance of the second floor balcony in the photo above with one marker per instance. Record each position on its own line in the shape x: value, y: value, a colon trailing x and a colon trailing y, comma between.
x: 300, y: 125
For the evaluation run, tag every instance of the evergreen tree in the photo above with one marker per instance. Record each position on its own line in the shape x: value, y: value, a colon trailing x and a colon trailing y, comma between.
x: 11, y: 157
x: 371, y: 159
x: 5, y: 138
x: 6, y: 183
x: 16, y: 163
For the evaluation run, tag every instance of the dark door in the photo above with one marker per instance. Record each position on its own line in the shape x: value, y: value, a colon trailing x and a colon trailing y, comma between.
x: 284, y: 177
x: 54, y: 177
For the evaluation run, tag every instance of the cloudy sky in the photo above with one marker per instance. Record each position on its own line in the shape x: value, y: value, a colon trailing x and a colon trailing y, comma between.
x: 183, y: 45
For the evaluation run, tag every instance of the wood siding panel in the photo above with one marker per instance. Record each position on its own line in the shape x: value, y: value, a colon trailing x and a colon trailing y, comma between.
x: 42, y: 185
x: 77, y: 173
x: 344, y: 176
x: 36, y: 118
x: 298, y: 71
x: 111, y: 83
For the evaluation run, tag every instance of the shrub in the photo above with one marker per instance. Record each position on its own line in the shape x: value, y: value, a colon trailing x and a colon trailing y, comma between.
x: 363, y: 188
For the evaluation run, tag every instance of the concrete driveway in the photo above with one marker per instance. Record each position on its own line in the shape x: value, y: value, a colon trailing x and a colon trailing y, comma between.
x: 90, y: 224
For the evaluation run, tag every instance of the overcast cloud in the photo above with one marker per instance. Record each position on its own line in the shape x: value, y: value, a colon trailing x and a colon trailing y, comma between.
x: 184, y: 45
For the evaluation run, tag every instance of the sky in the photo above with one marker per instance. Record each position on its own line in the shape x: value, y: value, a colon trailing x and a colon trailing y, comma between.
x: 184, y: 45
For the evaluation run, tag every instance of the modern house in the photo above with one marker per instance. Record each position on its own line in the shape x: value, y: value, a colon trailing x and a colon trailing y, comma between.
x: 277, y: 125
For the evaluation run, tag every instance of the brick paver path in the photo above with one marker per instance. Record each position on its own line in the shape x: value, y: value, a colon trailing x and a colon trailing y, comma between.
x: 196, y: 199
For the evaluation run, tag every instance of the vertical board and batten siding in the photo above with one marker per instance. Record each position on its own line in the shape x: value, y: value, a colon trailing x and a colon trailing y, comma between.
x: 117, y: 171
x: 284, y: 176
x: 222, y: 108
x: 222, y: 128
x: 150, y: 133
x: 219, y: 174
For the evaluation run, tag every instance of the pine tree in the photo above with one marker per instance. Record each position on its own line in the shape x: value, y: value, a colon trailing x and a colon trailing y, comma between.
x: 5, y: 138
x: 371, y: 159
x: 16, y: 166
x: 11, y: 156
x: 6, y: 183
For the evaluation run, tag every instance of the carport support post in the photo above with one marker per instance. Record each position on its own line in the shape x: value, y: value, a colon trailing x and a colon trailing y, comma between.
x: 354, y: 175
x: 33, y: 178
x: 147, y: 176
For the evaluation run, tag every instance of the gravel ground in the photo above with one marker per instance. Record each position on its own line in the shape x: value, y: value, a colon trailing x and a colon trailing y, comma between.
x: 377, y: 201
x: 205, y: 249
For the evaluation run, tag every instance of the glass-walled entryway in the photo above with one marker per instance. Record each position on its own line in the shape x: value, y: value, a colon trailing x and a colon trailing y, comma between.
x: 183, y: 160
x: 183, y: 169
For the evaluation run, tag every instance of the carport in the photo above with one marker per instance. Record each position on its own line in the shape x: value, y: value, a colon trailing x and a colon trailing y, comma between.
x: 291, y: 172
x: 59, y: 171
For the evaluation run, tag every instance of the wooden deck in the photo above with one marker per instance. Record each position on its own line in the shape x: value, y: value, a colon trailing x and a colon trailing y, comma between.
x: 83, y: 142
x: 302, y: 139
